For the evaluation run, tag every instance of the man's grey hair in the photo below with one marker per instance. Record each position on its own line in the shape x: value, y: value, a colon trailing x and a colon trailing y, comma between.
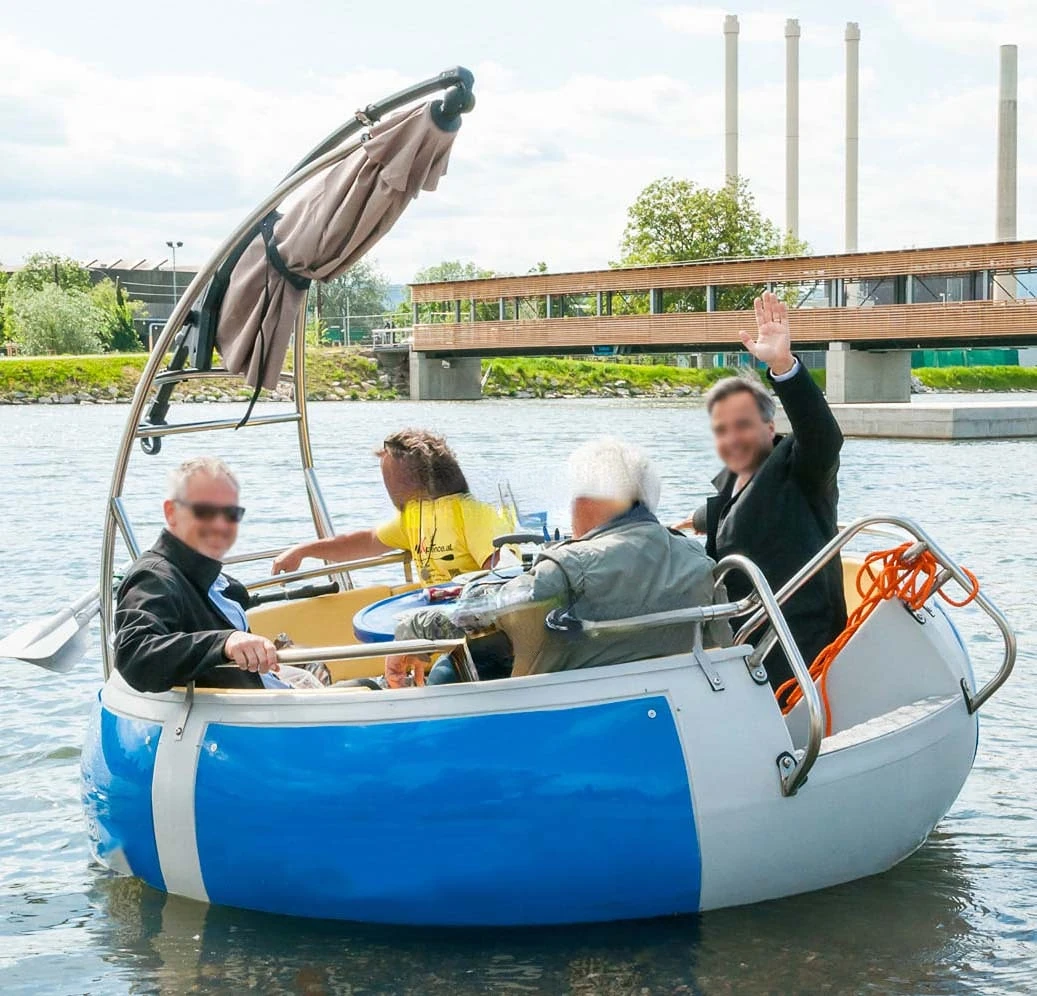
x: 176, y: 484
x: 611, y: 469
x: 734, y: 385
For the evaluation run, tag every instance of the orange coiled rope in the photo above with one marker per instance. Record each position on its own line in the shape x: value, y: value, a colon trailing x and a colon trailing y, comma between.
x: 883, y: 575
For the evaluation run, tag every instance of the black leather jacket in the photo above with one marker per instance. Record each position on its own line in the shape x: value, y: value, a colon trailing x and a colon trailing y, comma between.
x: 167, y: 631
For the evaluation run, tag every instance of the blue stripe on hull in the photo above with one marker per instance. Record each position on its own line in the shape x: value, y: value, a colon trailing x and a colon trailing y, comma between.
x: 117, y: 768
x: 556, y: 816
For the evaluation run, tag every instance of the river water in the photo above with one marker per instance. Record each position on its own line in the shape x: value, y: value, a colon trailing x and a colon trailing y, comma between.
x: 960, y: 916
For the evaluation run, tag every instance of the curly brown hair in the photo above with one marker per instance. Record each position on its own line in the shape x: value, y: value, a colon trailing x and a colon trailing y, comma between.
x: 428, y: 460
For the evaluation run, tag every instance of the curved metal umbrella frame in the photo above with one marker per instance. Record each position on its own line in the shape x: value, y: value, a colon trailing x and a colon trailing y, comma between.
x: 190, y: 335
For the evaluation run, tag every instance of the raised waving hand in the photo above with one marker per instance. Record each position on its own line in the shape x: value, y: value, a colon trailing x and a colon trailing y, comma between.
x: 773, y: 344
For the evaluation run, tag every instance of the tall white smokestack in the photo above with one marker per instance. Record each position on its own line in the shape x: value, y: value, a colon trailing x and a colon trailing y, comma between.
x: 853, y: 41
x: 1007, y: 142
x: 792, y: 127
x: 731, y: 98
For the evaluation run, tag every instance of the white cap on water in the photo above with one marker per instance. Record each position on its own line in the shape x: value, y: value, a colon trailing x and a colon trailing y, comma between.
x: 613, y: 470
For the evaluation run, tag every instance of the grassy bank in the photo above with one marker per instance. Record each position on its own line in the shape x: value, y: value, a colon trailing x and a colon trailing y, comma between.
x: 331, y: 375
x: 540, y: 377
x: 341, y: 375
x: 335, y: 374
x: 978, y: 378
x: 114, y: 376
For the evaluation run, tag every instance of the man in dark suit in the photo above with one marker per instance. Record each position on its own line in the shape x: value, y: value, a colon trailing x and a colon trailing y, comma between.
x: 777, y: 497
x: 178, y: 617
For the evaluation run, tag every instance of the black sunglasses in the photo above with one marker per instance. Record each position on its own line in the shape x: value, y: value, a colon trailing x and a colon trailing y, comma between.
x: 206, y: 512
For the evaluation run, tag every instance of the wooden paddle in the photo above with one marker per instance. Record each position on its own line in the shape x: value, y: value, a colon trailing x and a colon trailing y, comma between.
x: 57, y: 642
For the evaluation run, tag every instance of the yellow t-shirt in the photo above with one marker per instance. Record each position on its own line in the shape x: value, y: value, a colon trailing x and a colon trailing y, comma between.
x: 446, y: 536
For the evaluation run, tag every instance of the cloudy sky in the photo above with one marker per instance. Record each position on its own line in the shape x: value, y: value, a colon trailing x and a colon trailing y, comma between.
x: 126, y: 124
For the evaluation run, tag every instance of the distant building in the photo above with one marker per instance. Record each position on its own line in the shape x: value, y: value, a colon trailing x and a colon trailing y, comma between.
x: 149, y: 281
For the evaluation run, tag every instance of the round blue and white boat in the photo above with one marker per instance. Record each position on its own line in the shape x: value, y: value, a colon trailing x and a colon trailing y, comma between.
x: 648, y: 788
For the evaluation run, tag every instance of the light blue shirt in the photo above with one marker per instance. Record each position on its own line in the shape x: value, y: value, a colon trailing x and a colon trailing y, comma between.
x: 235, y: 614
x: 231, y: 609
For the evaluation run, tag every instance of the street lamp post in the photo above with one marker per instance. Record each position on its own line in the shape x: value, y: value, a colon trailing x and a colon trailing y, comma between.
x: 174, y: 246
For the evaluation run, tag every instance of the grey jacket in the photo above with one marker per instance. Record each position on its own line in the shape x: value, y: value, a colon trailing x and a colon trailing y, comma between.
x: 632, y: 565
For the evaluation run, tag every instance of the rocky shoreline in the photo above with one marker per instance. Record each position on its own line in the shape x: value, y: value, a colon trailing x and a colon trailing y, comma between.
x: 618, y: 389
x: 340, y: 391
x: 337, y: 375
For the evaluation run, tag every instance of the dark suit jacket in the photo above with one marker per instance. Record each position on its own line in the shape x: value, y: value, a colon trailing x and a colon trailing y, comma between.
x: 785, y: 515
x: 167, y: 631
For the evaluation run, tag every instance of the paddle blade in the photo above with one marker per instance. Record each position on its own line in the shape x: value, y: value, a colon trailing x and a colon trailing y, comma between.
x: 56, y: 643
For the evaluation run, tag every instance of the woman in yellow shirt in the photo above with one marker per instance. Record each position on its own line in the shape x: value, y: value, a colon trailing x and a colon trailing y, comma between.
x: 438, y: 522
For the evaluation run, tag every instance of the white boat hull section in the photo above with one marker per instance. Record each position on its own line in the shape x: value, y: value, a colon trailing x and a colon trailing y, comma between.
x: 546, y: 799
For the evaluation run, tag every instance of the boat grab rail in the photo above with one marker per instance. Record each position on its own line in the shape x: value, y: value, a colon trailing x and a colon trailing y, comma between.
x: 457, y: 649
x: 359, y: 651
x: 147, y: 431
x: 951, y: 570
x: 792, y: 770
x: 251, y: 558
x: 315, y: 572
x: 214, y: 373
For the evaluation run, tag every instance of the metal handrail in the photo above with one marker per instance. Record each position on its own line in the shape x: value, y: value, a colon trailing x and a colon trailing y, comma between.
x: 456, y: 649
x: 214, y: 373
x: 146, y: 431
x: 670, y: 617
x: 318, y: 506
x: 122, y: 519
x: 792, y: 771
x: 828, y: 552
x: 328, y: 569
x: 250, y: 558
x: 357, y: 651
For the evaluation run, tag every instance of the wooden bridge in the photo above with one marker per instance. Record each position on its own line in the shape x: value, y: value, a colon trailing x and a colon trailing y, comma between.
x: 868, y: 305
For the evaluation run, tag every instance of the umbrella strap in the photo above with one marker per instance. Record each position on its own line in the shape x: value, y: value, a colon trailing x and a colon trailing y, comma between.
x: 267, y: 231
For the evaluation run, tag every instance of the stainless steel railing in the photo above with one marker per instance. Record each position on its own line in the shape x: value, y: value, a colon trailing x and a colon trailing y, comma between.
x: 764, y: 606
x: 327, y: 569
x: 792, y: 770
x: 952, y: 571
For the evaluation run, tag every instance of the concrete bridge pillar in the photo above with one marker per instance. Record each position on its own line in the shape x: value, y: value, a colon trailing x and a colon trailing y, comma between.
x: 855, y: 376
x: 444, y: 378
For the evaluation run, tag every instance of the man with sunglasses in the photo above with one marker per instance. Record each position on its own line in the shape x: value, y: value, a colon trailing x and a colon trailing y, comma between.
x: 178, y: 618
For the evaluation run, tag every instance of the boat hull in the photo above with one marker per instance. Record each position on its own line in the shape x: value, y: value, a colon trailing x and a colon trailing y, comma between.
x: 614, y: 793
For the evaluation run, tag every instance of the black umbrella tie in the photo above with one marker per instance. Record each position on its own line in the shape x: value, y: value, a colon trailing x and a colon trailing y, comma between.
x: 267, y: 231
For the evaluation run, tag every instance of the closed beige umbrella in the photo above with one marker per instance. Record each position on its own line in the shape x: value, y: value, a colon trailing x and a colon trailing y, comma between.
x: 331, y: 223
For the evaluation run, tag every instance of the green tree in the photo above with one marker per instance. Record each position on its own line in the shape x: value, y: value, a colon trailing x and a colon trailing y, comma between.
x: 449, y: 270
x: 119, y: 334
x: 675, y: 221
x: 359, y: 293
x: 42, y: 269
x: 55, y: 320
x: 5, y: 318
x: 452, y: 269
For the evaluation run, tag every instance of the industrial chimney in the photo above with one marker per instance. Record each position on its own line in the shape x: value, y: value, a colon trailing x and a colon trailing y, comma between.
x: 731, y: 98
x: 1007, y: 143
x: 853, y: 40
x: 792, y: 127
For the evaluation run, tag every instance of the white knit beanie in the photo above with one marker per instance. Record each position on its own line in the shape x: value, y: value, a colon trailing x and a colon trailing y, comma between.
x: 613, y: 470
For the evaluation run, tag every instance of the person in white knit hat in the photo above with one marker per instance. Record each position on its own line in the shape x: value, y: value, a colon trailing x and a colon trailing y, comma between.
x: 621, y: 561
